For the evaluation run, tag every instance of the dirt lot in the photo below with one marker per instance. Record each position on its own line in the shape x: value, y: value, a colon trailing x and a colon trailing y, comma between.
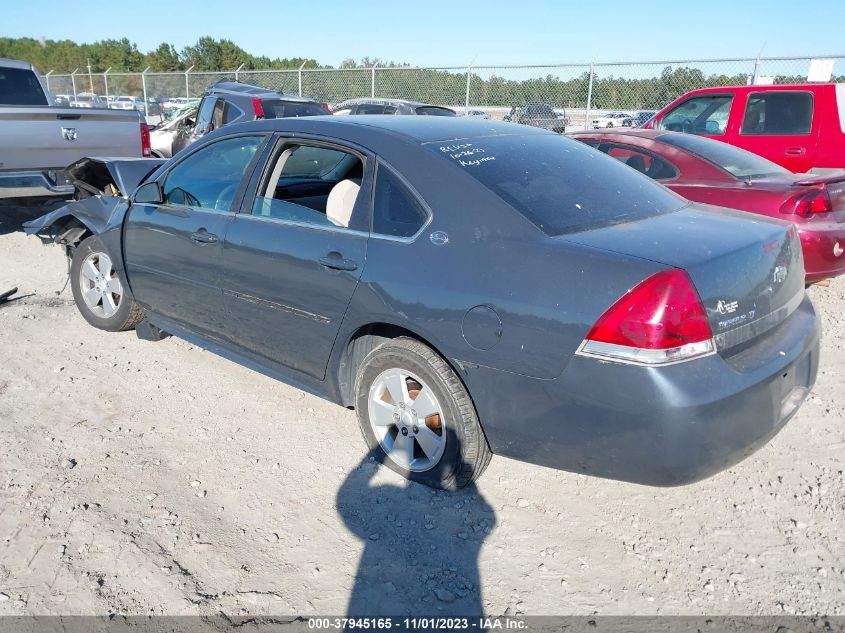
x: 150, y: 478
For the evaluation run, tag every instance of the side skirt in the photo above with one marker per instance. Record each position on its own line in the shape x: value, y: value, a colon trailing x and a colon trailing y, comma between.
x: 283, y: 374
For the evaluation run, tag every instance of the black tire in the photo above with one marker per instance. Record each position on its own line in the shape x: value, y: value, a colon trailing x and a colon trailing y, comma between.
x: 466, y: 453
x: 128, y: 313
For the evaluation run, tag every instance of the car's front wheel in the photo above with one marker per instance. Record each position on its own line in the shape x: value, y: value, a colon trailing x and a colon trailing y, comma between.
x: 98, y: 291
x: 416, y: 414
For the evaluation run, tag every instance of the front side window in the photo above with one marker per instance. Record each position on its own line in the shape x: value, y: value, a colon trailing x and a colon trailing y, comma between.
x: 311, y: 184
x: 707, y: 114
x: 209, y: 178
x: 396, y: 211
x: 778, y: 113
x: 435, y: 111
x: 559, y: 184
x: 206, y: 111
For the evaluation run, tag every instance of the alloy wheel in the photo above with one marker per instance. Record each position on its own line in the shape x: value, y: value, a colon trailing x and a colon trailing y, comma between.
x: 100, y: 286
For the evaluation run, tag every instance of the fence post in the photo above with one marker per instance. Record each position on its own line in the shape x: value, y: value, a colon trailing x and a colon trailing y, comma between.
x: 106, y: 83
x: 373, y: 81
x: 237, y: 70
x: 589, y: 98
x: 299, y: 75
x: 187, y: 89
x: 73, y: 82
x: 47, y: 79
x: 466, y: 99
x: 144, y: 88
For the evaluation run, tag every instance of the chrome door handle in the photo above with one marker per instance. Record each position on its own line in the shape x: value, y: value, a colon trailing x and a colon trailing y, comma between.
x: 203, y: 237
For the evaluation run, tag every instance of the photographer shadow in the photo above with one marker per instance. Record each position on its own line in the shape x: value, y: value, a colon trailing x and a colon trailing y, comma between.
x: 421, y: 546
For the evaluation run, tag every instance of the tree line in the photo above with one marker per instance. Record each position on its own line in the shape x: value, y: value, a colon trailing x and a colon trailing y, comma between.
x: 392, y: 79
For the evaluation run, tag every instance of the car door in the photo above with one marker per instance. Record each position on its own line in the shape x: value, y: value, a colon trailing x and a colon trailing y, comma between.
x: 779, y: 125
x: 196, y: 128
x: 172, y: 249
x: 294, y: 254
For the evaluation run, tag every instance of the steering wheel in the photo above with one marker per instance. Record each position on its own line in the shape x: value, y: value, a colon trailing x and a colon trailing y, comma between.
x: 686, y: 126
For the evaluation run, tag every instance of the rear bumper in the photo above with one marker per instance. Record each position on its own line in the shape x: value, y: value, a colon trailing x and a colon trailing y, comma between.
x: 820, y: 246
x: 32, y: 184
x: 660, y: 426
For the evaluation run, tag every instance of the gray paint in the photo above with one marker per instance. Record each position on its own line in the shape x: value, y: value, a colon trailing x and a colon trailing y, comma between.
x: 506, y: 305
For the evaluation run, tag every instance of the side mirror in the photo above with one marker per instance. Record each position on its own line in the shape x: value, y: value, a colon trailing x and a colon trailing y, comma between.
x: 149, y: 193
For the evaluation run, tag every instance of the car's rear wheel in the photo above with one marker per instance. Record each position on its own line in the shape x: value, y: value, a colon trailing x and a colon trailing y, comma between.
x: 98, y: 291
x: 416, y: 414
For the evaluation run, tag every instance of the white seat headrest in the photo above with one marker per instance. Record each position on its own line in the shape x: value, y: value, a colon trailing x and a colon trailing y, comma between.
x: 341, y: 202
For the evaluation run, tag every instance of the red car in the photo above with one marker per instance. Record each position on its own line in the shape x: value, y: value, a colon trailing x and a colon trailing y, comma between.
x: 800, y: 127
x: 716, y: 173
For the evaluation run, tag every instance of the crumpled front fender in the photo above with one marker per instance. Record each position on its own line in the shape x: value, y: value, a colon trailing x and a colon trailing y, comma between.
x: 96, y: 213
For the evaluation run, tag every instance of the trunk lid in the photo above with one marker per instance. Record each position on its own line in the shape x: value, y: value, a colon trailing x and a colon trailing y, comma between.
x: 748, y: 270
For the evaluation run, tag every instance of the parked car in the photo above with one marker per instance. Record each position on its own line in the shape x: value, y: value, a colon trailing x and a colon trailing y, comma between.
x: 62, y: 100
x: 162, y: 135
x: 40, y: 139
x: 638, y: 119
x: 88, y: 100
x: 478, y: 114
x: 796, y: 126
x: 540, y: 115
x: 611, y: 119
x: 153, y: 107
x: 227, y: 102
x: 127, y: 103
x: 711, y: 172
x: 390, y: 106
x: 466, y: 286
x: 177, y: 103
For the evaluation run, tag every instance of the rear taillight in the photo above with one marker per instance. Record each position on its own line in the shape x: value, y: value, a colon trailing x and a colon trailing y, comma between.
x: 326, y: 107
x: 257, y: 108
x: 808, y: 203
x: 659, y: 321
x: 146, y: 150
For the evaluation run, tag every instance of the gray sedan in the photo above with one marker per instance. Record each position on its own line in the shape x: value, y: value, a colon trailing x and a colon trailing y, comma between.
x: 511, y: 292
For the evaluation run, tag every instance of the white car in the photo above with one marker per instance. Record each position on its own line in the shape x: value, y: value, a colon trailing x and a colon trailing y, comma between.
x: 611, y: 119
x: 127, y: 103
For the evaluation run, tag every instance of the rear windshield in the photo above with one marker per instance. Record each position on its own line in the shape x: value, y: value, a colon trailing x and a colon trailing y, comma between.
x: 435, y: 111
x: 560, y: 185
x: 281, y: 109
x: 19, y: 86
x: 735, y: 161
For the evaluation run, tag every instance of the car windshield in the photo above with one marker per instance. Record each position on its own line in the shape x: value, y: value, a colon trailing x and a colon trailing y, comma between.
x: 278, y: 109
x: 737, y: 162
x: 560, y: 185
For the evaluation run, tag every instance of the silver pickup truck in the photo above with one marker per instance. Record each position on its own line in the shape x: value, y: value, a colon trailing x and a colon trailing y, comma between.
x: 39, y: 139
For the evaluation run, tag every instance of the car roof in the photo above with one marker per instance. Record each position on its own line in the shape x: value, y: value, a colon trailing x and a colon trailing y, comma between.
x: 385, y: 101
x: 760, y: 88
x: 16, y: 63
x: 225, y: 87
x: 420, y: 129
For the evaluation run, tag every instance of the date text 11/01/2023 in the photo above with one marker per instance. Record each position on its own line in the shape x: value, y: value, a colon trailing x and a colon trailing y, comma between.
x: 416, y: 624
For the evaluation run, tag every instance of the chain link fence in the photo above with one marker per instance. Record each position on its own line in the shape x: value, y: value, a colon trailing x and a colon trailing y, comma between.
x: 580, y: 89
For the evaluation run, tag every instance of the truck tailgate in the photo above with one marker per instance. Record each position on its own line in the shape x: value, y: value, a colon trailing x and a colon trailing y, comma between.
x: 39, y: 137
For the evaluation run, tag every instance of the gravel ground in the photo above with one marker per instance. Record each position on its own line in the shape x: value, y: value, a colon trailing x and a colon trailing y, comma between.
x: 143, y: 478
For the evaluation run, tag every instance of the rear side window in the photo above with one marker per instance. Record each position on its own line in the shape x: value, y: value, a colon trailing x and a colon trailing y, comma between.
x: 277, y: 109
x: 375, y: 108
x: 19, y: 86
x: 778, y: 113
x: 707, y: 114
x: 644, y: 162
x: 737, y: 162
x: 561, y: 185
x: 435, y: 111
x: 396, y: 211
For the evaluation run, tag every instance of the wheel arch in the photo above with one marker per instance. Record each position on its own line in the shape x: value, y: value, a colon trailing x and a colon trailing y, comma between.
x: 365, y: 339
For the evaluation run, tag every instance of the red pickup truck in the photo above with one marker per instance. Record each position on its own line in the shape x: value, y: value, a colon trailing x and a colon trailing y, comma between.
x: 801, y: 127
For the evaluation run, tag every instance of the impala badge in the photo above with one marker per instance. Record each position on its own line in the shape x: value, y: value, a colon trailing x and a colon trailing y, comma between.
x: 70, y: 133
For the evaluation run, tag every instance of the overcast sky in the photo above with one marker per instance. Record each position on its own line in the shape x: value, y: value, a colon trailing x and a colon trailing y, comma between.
x: 452, y: 33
